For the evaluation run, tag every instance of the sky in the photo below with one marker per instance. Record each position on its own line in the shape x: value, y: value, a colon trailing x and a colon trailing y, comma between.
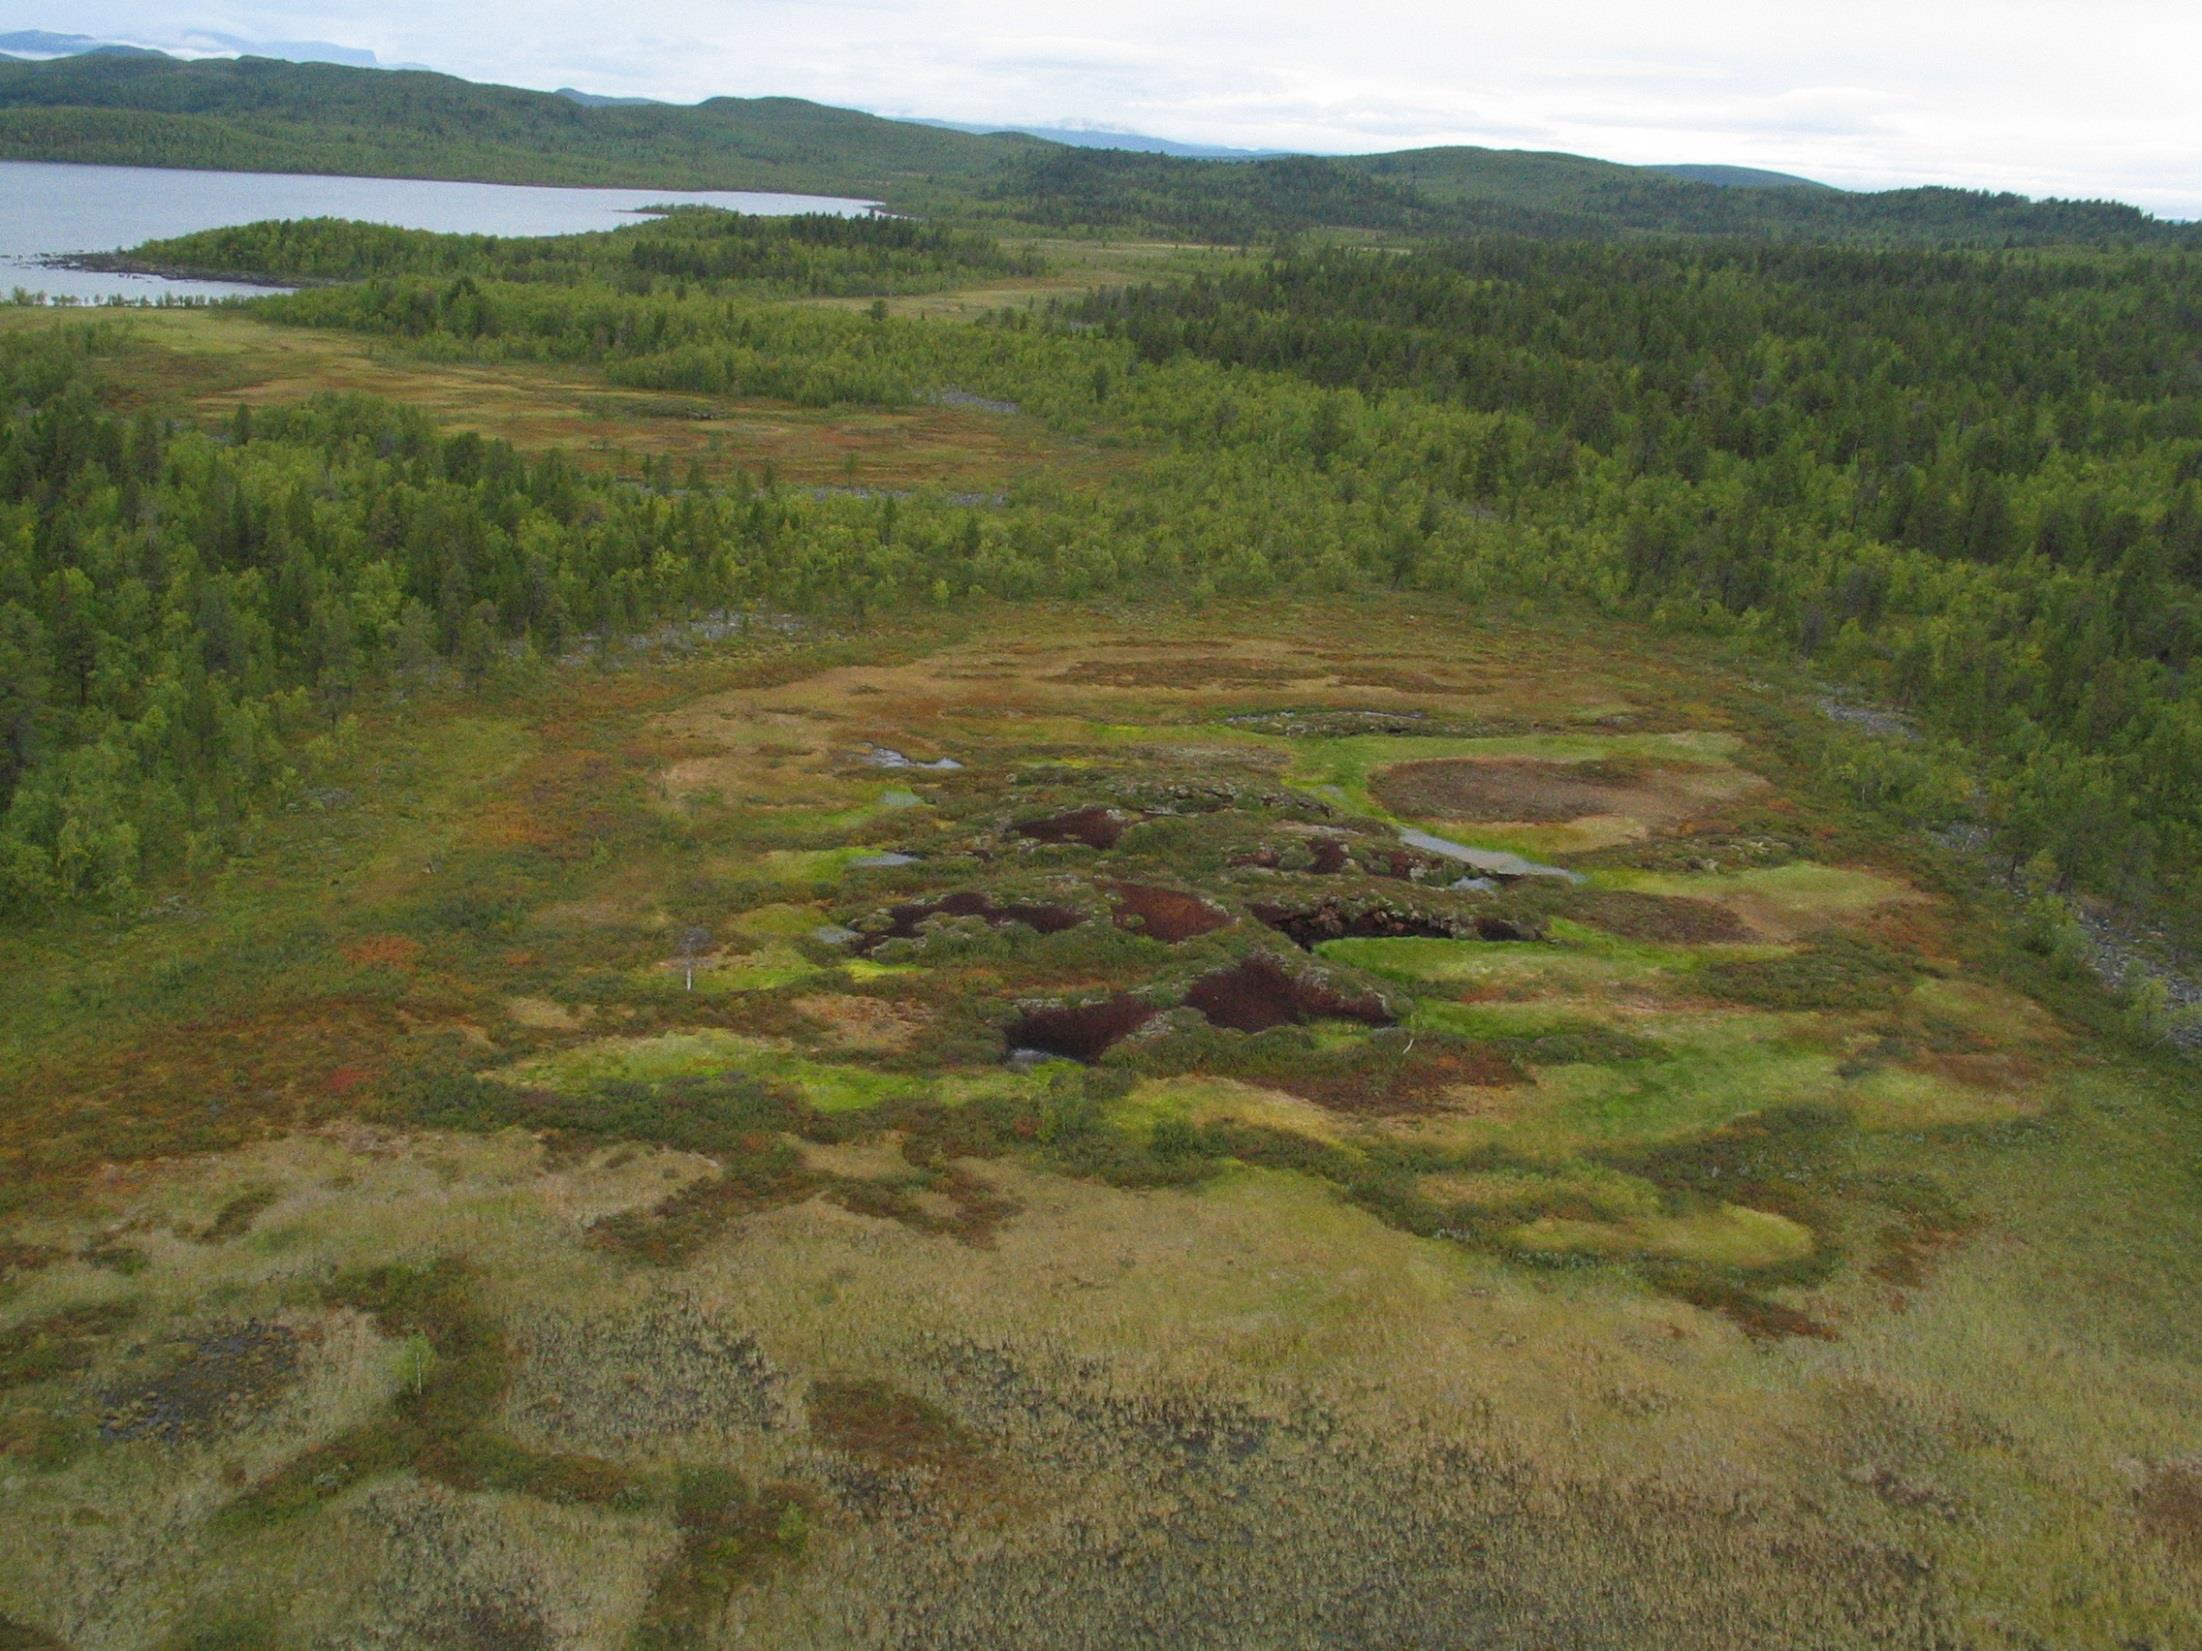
x: 2088, y: 98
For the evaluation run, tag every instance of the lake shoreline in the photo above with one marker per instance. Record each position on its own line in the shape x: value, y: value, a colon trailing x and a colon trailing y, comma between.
x: 8, y: 159
x: 76, y: 223
x: 119, y: 263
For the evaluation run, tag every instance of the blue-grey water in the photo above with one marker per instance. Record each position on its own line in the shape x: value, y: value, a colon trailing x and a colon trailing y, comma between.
x: 49, y: 210
x: 1492, y: 862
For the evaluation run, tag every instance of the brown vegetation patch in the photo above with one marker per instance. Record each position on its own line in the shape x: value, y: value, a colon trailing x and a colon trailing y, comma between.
x: 219, y: 1382
x: 1180, y: 672
x: 1426, y: 1075
x: 1168, y: 915
x: 669, y: 1367
x: 729, y: 1534
x: 1260, y: 993
x: 907, y: 920
x: 1658, y: 917
x: 1440, y: 1074
x: 1757, y: 1316
x: 887, y: 1427
x: 2170, y: 1505
x: 235, y: 1218
x: 1909, y: 1251
x: 675, y: 1229
x: 954, y: 1203
x: 1081, y: 1031
x: 137, y: 1099
x: 1097, y: 826
x: 1534, y: 790
x: 59, y: 1344
x: 865, y: 1022
x: 16, y: 1635
x: 2004, y: 1072
x: 1391, y: 677
x: 542, y: 1014
x: 26, y: 1258
x: 383, y: 951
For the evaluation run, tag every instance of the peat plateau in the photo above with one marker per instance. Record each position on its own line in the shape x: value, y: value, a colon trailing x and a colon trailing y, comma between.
x: 697, y: 1168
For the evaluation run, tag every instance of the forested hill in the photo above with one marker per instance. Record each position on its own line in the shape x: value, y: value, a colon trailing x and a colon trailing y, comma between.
x: 1457, y: 191
x: 262, y: 115
x: 259, y: 114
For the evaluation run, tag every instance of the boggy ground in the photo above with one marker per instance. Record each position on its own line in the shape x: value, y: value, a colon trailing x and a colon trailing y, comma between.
x: 666, y: 1164
x: 204, y: 364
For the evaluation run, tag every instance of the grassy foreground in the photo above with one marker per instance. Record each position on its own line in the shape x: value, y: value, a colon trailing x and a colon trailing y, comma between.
x: 669, y: 1160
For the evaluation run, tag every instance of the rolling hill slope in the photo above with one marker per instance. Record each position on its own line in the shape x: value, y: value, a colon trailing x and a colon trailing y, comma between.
x: 261, y: 114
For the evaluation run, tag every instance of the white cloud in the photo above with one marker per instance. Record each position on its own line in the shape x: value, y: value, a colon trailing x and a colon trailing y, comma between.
x: 2035, y: 95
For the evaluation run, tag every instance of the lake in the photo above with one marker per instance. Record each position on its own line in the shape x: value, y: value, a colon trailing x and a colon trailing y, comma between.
x: 47, y: 209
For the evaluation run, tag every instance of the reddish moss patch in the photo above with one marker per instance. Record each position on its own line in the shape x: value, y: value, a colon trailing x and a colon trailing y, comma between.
x: 1260, y: 993
x: 1657, y: 917
x: 383, y: 951
x: 268, y: 1069
x: 1409, y: 1083
x: 1168, y: 915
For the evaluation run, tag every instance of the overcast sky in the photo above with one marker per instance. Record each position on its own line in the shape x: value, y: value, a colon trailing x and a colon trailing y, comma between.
x: 2065, y: 97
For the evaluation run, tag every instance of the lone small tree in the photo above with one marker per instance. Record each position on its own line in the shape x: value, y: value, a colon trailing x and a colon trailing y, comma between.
x: 693, y: 943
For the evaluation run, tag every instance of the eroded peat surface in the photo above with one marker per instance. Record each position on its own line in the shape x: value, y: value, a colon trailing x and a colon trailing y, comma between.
x: 989, y: 1135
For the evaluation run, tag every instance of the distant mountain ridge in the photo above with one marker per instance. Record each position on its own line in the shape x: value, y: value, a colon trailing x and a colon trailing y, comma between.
x: 45, y: 43
x: 597, y: 100
x: 1107, y: 137
x: 34, y: 44
x: 261, y: 114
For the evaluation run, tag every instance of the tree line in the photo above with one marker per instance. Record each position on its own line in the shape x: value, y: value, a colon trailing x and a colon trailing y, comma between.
x: 1967, y: 483
x: 803, y: 255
